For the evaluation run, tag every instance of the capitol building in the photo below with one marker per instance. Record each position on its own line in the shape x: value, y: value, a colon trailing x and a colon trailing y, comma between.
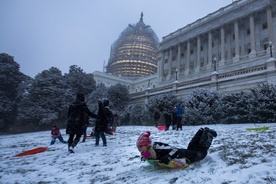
x: 231, y: 49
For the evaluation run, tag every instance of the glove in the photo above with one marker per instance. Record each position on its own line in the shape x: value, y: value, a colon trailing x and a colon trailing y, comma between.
x: 165, y: 159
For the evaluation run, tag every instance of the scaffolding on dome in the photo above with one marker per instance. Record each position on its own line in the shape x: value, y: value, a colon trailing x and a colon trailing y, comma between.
x: 134, y: 53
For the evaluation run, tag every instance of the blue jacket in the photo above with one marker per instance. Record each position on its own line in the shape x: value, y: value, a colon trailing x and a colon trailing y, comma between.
x: 179, y: 110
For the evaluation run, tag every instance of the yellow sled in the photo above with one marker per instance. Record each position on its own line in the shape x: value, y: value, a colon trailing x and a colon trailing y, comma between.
x: 173, y: 164
x: 258, y: 128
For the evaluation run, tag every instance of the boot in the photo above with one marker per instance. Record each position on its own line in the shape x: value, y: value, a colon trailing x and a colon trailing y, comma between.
x: 211, y: 131
x: 206, y: 139
x: 70, y: 148
x: 195, y: 140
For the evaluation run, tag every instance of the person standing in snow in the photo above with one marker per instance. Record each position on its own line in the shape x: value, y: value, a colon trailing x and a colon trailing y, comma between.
x: 179, y: 117
x: 75, y: 122
x: 197, y: 148
x: 168, y: 119
x: 56, y: 134
x: 174, y: 118
x: 102, y: 122
x: 156, y: 117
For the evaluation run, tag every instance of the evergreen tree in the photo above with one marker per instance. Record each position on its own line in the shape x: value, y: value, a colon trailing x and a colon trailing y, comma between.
x: 263, y: 108
x: 135, y: 115
x: 162, y: 103
x: 45, y: 102
x: 78, y: 81
x: 235, y: 108
x: 10, y: 79
x: 99, y: 93
x: 119, y: 96
x: 201, y: 107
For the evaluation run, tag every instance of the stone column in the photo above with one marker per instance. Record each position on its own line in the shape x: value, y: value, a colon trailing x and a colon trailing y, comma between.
x: 161, y: 66
x: 237, y: 47
x: 170, y: 64
x: 214, y: 81
x: 270, y: 30
x: 209, y: 65
x: 188, y: 57
x: 222, y: 46
x: 198, y: 55
x: 270, y: 26
x: 178, y: 59
x: 252, y: 54
x: 271, y: 71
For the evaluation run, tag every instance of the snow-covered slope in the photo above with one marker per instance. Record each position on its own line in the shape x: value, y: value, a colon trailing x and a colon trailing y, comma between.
x: 236, y: 156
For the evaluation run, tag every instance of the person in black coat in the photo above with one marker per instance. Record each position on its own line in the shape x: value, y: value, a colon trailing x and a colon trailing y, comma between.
x: 168, y: 119
x: 196, y: 150
x: 75, y: 124
x: 102, y: 122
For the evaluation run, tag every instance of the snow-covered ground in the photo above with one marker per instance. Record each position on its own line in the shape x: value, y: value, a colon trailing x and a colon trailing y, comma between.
x: 236, y: 156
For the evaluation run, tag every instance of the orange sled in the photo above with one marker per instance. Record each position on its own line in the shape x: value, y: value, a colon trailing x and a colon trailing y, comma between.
x: 32, y: 151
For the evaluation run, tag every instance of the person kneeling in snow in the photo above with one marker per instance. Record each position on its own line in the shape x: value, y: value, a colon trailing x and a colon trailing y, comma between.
x: 56, y: 134
x: 196, y: 151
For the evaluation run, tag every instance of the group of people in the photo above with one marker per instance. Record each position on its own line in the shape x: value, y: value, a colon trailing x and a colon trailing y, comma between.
x: 78, y: 121
x: 164, y: 153
x: 78, y: 114
x: 174, y: 118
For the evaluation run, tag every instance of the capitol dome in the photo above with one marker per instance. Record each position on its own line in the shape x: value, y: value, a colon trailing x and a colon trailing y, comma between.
x: 134, y: 54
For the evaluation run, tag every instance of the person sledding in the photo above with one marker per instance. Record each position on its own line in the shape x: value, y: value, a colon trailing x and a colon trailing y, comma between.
x: 166, y: 155
x: 56, y: 135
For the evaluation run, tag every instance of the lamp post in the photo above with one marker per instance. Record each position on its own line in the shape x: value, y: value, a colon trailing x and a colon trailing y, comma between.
x: 215, y: 64
x: 176, y: 70
x: 270, y: 46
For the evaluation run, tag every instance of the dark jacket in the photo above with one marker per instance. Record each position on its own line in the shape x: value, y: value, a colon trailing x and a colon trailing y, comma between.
x: 76, y: 115
x: 165, y: 153
x: 168, y: 118
x: 104, y: 115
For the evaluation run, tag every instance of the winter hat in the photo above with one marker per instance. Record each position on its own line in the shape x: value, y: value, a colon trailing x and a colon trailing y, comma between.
x: 143, y: 139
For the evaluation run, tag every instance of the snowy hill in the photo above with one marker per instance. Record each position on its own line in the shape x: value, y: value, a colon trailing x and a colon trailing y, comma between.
x: 236, y: 156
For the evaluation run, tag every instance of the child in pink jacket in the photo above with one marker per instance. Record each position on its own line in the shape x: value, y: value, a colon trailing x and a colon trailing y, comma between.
x: 56, y: 134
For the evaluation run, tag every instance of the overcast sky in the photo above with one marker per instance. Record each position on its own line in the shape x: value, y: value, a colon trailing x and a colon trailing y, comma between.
x: 40, y: 34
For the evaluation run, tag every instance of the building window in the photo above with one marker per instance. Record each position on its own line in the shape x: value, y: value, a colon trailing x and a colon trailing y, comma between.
x: 248, y: 31
x: 265, y: 25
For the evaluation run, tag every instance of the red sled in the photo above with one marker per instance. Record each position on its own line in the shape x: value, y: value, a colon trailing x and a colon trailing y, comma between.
x: 161, y: 127
x: 32, y: 151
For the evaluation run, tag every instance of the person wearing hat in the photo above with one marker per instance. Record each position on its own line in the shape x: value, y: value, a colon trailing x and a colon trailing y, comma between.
x: 75, y: 124
x: 197, y: 148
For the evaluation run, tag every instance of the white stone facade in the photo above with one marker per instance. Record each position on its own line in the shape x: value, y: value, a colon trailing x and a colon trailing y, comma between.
x: 228, y: 50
